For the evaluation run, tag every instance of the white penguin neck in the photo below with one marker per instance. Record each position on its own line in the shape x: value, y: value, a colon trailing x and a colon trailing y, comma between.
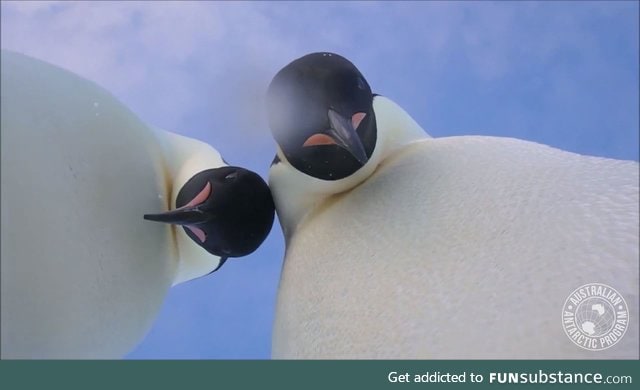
x: 184, y: 158
x: 297, y: 194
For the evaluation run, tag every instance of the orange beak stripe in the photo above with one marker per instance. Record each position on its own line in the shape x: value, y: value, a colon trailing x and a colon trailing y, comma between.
x: 319, y: 139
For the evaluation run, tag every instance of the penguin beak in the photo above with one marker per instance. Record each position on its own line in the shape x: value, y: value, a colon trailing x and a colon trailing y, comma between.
x: 345, y: 135
x: 182, y: 216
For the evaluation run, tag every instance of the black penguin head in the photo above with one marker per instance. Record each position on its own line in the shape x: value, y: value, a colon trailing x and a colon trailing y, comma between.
x: 320, y: 111
x: 228, y: 211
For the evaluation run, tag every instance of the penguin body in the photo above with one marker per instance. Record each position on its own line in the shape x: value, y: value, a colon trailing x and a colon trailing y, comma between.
x: 450, y: 248
x: 83, y: 274
x: 461, y: 248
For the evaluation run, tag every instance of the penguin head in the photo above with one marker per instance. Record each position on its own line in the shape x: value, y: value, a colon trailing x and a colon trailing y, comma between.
x: 228, y: 211
x: 332, y: 132
x: 320, y: 111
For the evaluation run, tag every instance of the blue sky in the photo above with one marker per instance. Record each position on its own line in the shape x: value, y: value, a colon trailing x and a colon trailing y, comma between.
x: 559, y: 73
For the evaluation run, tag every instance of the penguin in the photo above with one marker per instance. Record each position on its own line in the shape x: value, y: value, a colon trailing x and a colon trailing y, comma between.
x: 404, y: 246
x: 227, y: 211
x: 85, y: 265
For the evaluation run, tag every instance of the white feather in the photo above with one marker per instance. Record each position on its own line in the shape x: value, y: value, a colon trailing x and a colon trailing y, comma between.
x: 83, y: 275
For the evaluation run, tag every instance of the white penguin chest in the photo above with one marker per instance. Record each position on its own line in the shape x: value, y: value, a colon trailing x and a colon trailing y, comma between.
x: 458, y: 249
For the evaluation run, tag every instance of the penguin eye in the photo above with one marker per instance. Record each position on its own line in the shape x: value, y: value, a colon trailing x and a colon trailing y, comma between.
x: 232, y: 176
x: 361, y: 83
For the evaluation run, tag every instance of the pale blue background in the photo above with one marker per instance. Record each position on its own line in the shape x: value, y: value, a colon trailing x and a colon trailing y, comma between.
x: 563, y: 74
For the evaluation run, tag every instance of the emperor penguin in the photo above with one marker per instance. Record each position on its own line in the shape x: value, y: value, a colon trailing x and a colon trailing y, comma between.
x: 403, y: 246
x: 84, y: 268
